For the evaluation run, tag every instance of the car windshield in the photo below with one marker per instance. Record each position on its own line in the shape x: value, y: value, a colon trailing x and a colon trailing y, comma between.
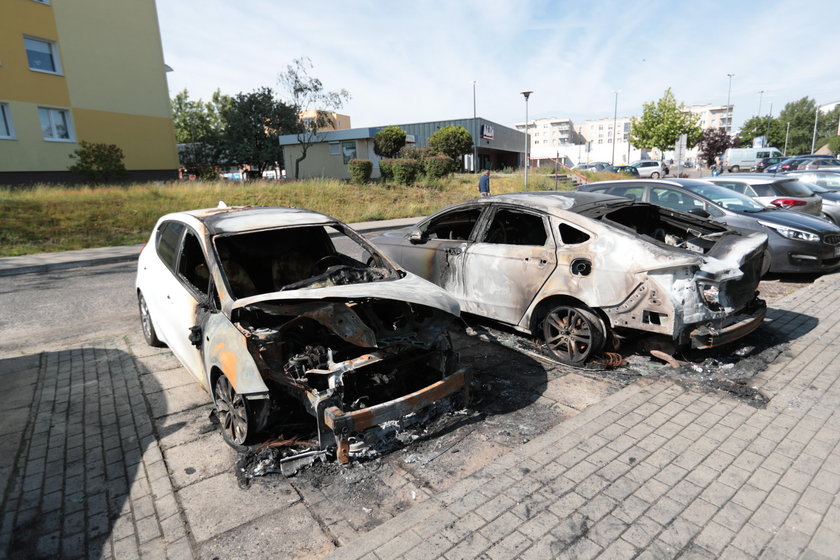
x: 726, y: 198
x: 293, y: 258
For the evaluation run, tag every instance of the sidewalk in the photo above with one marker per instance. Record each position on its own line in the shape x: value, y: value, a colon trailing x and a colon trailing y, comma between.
x: 46, y: 262
x: 661, y: 471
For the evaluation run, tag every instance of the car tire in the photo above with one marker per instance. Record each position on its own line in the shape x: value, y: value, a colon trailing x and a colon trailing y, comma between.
x: 146, y: 322
x: 237, y: 418
x: 654, y: 175
x: 734, y: 169
x: 572, y: 335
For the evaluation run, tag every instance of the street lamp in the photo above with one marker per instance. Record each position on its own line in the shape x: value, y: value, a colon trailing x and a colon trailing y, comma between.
x: 729, y: 106
x: 475, y: 135
x: 769, y: 120
x: 814, y: 137
x: 527, y: 94
x: 760, y: 96
x: 615, y: 129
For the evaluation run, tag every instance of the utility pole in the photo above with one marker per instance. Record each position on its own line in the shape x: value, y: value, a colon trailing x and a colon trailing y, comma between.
x: 615, y: 130
x: 527, y: 94
x: 760, y: 96
x: 729, y: 106
x: 769, y: 120
x: 787, y: 132
x: 475, y: 135
x: 814, y: 137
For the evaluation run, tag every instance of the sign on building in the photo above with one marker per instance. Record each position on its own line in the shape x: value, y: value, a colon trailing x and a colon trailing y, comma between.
x: 486, y: 132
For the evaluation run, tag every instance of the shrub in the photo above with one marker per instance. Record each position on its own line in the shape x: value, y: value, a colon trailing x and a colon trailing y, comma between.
x: 98, y: 163
x: 386, y: 169
x: 360, y: 170
x: 419, y: 154
x: 405, y: 170
x: 438, y: 166
x: 388, y: 141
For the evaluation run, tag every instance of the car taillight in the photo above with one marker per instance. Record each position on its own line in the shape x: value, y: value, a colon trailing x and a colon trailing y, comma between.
x: 787, y: 202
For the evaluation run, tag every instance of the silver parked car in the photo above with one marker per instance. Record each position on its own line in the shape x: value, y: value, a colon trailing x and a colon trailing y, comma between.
x: 650, y: 169
x: 573, y: 268
x: 782, y: 192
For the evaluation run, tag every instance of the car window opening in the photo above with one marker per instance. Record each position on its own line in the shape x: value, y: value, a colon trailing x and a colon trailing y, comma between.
x: 516, y: 228
x: 296, y: 258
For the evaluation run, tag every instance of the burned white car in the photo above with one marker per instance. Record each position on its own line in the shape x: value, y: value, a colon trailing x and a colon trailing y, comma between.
x: 576, y: 269
x: 275, y: 308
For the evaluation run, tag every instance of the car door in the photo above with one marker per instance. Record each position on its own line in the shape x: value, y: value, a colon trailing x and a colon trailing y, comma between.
x: 512, y: 257
x: 438, y: 255
x: 185, y: 288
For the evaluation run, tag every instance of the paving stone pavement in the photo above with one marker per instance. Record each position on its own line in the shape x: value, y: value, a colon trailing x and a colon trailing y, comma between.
x: 89, y: 479
x: 659, y: 470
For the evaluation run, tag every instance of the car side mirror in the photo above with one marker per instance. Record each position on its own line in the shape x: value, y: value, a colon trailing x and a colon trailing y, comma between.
x: 417, y: 237
x: 699, y: 212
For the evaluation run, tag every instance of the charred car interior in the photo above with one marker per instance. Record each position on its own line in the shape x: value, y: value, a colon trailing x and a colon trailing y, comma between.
x: 286, y: 311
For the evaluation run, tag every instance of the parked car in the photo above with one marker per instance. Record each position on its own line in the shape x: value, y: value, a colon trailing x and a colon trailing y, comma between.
x: 569, y: 268
x: 782, y: 192
x: 650, y: 168
x: 818, y: 163
x: 792, y: 163
x: 830, y: 199
x: 740, y: 159
x: 592, y: 166
x: 762, y: 164
x: 288, y: 309
x: 797, y: 242
x: 826, y: 178
x: 623, y: 169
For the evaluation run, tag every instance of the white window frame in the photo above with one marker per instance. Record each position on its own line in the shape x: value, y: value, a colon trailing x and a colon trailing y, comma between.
x: 71, y: 132
x: 6, y: 119
x: 59, y: 71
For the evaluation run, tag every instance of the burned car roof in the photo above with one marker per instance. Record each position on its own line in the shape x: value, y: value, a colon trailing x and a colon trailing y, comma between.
x: 549, y: 201
x: 238, y: 219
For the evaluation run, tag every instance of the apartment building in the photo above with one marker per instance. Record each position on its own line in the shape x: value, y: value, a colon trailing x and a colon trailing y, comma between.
x: 713, y: 116
x: 73, y: 71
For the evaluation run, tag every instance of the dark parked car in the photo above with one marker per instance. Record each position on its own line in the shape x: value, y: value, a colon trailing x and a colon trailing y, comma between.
x: 798, y: 242
x: 762, y: 164
x: 623, y: 169
x: 792, y: 163
x: 570, y: 268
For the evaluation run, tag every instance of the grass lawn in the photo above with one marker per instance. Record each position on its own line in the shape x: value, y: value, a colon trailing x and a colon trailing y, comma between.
x: 51, y: 218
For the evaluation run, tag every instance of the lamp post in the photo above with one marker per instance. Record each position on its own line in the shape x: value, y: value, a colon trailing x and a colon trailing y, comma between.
x: 814, y: 137
x: 527, y: 94
x: 760, y: 96
x: 729, y: 106
x: 615, y: 130
x: 769, y: 120
x: 787, y: 132
x: 475, y: 135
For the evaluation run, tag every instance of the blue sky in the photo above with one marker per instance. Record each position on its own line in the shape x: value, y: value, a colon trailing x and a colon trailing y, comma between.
x: 406, y: 62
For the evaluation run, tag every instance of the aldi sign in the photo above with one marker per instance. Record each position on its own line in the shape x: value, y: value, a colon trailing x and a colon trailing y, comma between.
x: 486, y: 132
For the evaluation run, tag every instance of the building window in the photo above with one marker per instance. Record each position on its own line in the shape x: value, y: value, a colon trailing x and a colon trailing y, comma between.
x: 7, y: 130
x: 335, y: 148
x: 349, y: 150
x: 56, y: 124
x: 42, y: 55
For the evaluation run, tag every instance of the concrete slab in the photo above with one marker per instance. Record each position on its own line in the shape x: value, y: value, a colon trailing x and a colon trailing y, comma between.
x: 13, y: 420
x: 177, y: 399
x: 199, y: 459
x: 577, y: 391
x: 297, y: 536
x: 168, y: 379
x: 181, y: 427
x: 217, y: 504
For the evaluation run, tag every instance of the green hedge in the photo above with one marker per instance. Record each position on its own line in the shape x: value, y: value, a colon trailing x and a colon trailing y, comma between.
x: 436, y: 167
x: 405, y: 170
x: 386, y: 170
x: 360, y: 170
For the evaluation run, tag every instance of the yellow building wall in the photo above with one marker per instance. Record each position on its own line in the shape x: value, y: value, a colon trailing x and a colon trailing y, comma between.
x: 112, y: 81
x: 320, y: 162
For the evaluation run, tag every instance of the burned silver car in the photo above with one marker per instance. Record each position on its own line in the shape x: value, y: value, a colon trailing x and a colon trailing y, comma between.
x: 577, y: 268
x: 276, y: 308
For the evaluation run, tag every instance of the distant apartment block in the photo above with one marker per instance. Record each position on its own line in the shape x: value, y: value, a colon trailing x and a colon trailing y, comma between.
x: 337, y: 121
x: 550, y: 132
x: 713, y: 116
x: 73, y: 71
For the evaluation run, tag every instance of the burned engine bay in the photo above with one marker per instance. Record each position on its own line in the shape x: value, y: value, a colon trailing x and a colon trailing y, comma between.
x: 352, y: 365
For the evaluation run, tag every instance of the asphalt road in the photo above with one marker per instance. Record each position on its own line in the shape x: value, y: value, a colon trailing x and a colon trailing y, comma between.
x: 43, y: 309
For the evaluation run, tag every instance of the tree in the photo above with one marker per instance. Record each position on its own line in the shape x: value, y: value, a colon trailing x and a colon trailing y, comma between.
x: 800, y: 114
x: 715, y: 141
x: 306, y: 94
x: 453, y: 141
x: 198, y: 127
x: 389, y: 141
x: 98, y: 162
x: 834, y: 145
x: 253, y: 121
x: 662, y: 122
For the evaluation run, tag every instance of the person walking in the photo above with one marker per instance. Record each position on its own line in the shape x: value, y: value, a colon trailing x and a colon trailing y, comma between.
x: 484, y: 183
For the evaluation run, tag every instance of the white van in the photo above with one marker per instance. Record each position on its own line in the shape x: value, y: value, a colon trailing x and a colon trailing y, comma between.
x: 736, y: 159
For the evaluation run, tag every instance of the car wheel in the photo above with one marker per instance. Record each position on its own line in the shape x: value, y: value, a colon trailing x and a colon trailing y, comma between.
x: 146, y: 321
x: 573, y: 335
x: 734, y: 169
x: 654, y: 175
x: 235, y: 418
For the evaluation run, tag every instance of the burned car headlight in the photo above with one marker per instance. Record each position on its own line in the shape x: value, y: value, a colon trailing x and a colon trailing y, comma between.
x: 710, y: 293
x: 792, y: 233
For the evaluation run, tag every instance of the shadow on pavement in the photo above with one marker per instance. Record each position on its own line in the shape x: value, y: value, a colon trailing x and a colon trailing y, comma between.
x: 81, y: 448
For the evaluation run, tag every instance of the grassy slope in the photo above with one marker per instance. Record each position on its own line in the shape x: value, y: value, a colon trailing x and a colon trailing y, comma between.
x: 45, y: 218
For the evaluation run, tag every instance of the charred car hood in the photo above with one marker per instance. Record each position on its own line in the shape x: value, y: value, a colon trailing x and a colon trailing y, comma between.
x: 411, y: 289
